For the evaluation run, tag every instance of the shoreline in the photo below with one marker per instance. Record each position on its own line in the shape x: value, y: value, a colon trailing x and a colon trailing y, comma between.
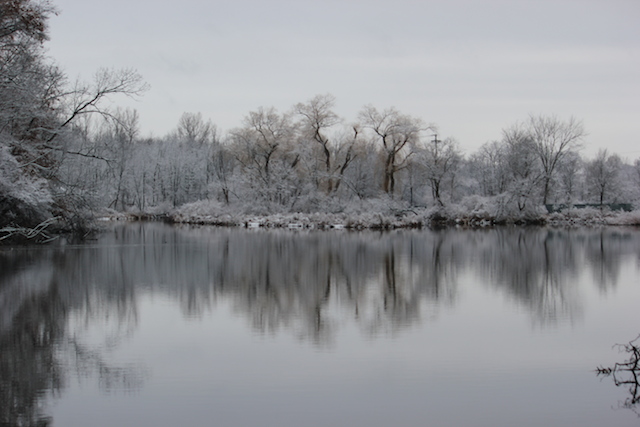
x: 415, y: 219
x: 408, y: 219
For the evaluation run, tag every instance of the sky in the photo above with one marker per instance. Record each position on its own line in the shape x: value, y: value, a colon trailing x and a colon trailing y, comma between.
x: 471, y: 67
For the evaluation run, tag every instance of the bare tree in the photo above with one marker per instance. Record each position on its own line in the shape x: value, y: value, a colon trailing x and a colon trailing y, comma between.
x: 125, y: 130
x: 523, y: 167
x: 317, y: 117
x: 192, y: 128
x: 345, y: 154
x: 602, y: 174
x: 89, y: 98
x: 570, y: 170
x: 360, y: 177
x: 221, y: 166
x: 264, y: 148
x: 636, y: 166
x: 397, y: 133
x: 488, y: 166
x: 552, y: 139
x: 264, y: 132
x: 440, y: 158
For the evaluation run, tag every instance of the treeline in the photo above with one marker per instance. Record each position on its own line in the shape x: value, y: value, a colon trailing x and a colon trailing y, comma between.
x: 65, y: 154
x: 308, y: 159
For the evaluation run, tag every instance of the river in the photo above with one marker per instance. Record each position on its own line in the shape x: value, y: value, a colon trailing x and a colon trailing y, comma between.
x: 158, y: 325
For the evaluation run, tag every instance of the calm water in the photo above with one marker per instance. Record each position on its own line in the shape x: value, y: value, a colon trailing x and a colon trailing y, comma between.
x: 153, y: 325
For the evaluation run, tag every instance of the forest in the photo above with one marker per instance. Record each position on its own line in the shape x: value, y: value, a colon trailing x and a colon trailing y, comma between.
x: 69, y: 154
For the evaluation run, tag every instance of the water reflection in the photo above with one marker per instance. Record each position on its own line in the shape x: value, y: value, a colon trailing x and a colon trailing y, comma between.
x: 307, y: 284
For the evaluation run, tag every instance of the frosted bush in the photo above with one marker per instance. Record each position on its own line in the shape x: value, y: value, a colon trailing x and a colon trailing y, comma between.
x: 593, y: 216
x: 481, y: 207
x: 624, y: 218
x: 9, y: 169
x: 24, y: 200
x: 204, y: 212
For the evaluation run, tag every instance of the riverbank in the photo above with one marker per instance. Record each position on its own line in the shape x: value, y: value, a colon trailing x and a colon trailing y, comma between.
x: 363, y: 217
x: 384, y: 217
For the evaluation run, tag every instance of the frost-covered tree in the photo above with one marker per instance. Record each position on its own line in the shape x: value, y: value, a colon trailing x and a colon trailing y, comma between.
x: 30, y: 86
x: 397, y: 134
x: 192, y: 128
x: 635, y: 181
x: 25, y: 200
x: 221, y: 169
x: 552, y: 140
x: 360, y: 178
x: 488, y: 168
x: 44, y: 121
x: 570, y: 177
x: 268, y: 157
x: 109, y: 143
x: 440, y: 160
x: 25, y: 18
x: 316, y: 119
x: 603, y: 175
x: 344, y: 153
x: 125, y: 130
x: 265, y: 131
x: 30, y: 89
x: 523, y: 168
x: 87, y: 98
x: 140, y: 176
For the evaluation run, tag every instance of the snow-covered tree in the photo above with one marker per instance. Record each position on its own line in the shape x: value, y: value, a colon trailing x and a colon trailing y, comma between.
x: 193, y: 129
x: 316, y: 119
x: 552, y: 140
x: 488, y: 168
x: 397, y: 135
x: 440, y: 160
x: 603, y: 175
x: 266, y: 151
x: 523, y: 169
x: 570, y: 178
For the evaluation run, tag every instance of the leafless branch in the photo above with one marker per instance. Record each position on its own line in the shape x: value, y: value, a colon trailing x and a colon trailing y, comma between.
x: 38, y: 232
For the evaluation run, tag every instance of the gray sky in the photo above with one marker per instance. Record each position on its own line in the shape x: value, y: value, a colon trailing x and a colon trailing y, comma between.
x: 471, y: 67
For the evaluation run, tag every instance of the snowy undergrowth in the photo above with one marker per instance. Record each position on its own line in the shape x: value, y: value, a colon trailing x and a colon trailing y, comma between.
x: 625, y: 218
x: 24, y: 199
x: 593, y: 217
x: 384, y: 213
x: 365, y: 214
x: 379, y: 213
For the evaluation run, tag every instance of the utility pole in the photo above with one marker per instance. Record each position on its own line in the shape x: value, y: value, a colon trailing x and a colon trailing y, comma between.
x: 435, y: 142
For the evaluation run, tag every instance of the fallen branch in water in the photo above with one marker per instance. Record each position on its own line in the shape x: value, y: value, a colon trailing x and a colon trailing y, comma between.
x: 626, y: 373
x: 36, y: 233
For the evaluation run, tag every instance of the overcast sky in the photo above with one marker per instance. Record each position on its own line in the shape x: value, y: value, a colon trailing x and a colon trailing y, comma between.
x: 472, y: 67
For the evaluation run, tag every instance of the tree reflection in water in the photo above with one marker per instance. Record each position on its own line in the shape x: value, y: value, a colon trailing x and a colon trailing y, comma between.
x: 38, y: 349
x: 308, y: 284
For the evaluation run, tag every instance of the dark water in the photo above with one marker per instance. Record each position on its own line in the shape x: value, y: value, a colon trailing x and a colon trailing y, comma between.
x: 159, y: 326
